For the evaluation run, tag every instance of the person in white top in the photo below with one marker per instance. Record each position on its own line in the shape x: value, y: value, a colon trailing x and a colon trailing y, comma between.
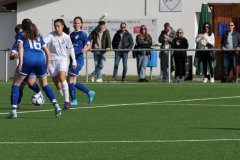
x: 58, y: 43
x: 206, y: 56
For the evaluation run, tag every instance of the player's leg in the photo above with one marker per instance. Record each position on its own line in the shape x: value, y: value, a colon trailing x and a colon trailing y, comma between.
x: 49, y: 92
x: 32, y: 84
x: 17, y: 80
x: 21, y: 88
x: 41, y: 70
x: 65, y: 89
x: 72, y: 82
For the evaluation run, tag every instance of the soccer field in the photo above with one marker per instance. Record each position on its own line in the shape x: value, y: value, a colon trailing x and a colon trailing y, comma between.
x: 127, y: 121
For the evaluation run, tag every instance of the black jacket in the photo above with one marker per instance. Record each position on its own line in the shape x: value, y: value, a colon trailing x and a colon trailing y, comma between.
x: 236, y: 39
x: 183, y: 45
x: 144, y: 43
x: 127, y: 40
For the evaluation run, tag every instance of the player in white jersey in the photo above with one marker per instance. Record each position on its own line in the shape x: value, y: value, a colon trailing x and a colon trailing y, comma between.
x: 58, y: 43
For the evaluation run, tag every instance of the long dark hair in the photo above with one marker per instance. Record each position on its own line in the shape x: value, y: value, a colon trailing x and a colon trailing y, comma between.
x: 210, y: 28
x: 31, y: 31
x: 65, y: 28
x: 79, y: 19
x: 141, y: 35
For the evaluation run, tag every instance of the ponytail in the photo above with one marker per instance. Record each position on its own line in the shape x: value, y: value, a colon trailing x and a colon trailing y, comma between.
x: 65, y: 28
x: 31, y: 31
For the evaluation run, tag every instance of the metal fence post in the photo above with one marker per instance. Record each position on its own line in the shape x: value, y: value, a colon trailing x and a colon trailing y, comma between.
x: 169, y: 65
x: 6, y: 67
x: 87, y: 66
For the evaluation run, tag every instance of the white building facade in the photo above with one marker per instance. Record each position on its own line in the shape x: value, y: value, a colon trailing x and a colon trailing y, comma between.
x: 179, y: 13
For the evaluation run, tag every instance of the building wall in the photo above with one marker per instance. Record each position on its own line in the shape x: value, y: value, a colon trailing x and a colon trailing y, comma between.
x: 42, y: 12
x: 7, y: 34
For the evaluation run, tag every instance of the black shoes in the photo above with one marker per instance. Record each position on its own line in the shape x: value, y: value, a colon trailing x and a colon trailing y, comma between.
x: 142, y: 80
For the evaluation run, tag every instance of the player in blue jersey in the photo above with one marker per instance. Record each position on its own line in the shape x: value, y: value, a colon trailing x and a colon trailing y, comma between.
x: 29, y: 79
x: 31, y: 58
x: 79, y: 40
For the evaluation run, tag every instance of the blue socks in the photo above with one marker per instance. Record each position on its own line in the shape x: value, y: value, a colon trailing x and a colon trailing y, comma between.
x: 14, y: 95
x: 50, y: 94
x: 35, y: 88
x: 72, y: 91
x: 81, y: 87
x: 20, y: 96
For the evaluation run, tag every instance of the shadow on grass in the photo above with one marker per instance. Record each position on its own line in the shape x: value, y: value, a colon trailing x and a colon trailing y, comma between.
x: 216, y: 128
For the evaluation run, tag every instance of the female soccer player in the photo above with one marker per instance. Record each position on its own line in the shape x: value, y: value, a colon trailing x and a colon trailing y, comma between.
x: 58, y: 42
x: 29, y: 79
x: 79, y: 40
x: 30, y: 45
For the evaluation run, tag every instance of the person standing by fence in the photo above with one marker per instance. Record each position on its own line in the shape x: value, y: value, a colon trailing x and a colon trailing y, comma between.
x: 230, y: 40
x: 206, y: 57
x: 100, y: 38
x: 143, y: 41
x: 121, y: 40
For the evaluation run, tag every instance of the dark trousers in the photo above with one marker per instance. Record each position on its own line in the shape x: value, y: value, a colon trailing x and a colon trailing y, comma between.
x: 206, y: 59
x: 180, y: 66
x: 230, y: 60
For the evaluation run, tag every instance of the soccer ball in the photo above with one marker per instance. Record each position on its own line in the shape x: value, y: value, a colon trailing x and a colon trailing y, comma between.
x: 37, y: 99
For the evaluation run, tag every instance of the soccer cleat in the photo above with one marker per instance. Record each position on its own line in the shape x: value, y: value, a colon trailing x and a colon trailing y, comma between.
x: 11, y: 115
x: 99, y: 80
x: 67, y: 105
x: 74, y: 102
x: 57, y: 110
x: 91, y: 95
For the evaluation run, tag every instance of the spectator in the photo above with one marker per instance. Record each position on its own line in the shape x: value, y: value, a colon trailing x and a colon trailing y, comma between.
x: 100, y: 38
x: 166, y: 37
x: 230, y: 40
x: 206, y: 56
x: 143, y: 41
x: 180, y: 42
x: 121, y: 40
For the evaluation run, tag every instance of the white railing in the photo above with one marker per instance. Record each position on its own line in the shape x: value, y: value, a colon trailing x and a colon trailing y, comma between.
x: 153, y: 49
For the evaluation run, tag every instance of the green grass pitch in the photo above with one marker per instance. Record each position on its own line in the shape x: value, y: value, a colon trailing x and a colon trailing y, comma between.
x: 127, y: 121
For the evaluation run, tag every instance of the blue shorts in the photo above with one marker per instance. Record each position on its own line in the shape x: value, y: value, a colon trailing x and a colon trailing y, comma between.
x: 33, y: 62
x: 80, y: 63
x: 32, y: 74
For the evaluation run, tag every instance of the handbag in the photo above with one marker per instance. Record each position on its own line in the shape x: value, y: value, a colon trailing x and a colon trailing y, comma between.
x: 201, y: 44
x: 135, y: 53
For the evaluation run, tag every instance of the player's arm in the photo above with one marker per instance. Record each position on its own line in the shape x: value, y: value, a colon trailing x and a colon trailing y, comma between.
x: 87, y: 48
x: 71, y: 52
x: 14, y: 53
x: 48, y: 55
x: 87, y: 42
x: 20, y: 53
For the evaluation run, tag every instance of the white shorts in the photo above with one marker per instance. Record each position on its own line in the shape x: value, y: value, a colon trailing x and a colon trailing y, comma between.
x: 58, y: 65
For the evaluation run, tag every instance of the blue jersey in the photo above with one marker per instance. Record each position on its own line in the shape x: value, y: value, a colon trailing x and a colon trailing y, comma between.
x: 79, y: 40
x: 33, y: 57
x: 15, y: 46
x: 31, y: 45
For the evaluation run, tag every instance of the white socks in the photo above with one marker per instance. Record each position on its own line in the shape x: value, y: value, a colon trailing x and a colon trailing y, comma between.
x: 65, y: 91
x: 61, y: 93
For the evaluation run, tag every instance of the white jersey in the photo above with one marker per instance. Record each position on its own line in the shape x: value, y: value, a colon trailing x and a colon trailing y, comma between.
x: 58, y: 46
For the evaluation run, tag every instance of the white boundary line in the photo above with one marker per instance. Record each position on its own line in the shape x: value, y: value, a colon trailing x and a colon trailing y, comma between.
x: 144, y: 141
x: 132, y: 104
